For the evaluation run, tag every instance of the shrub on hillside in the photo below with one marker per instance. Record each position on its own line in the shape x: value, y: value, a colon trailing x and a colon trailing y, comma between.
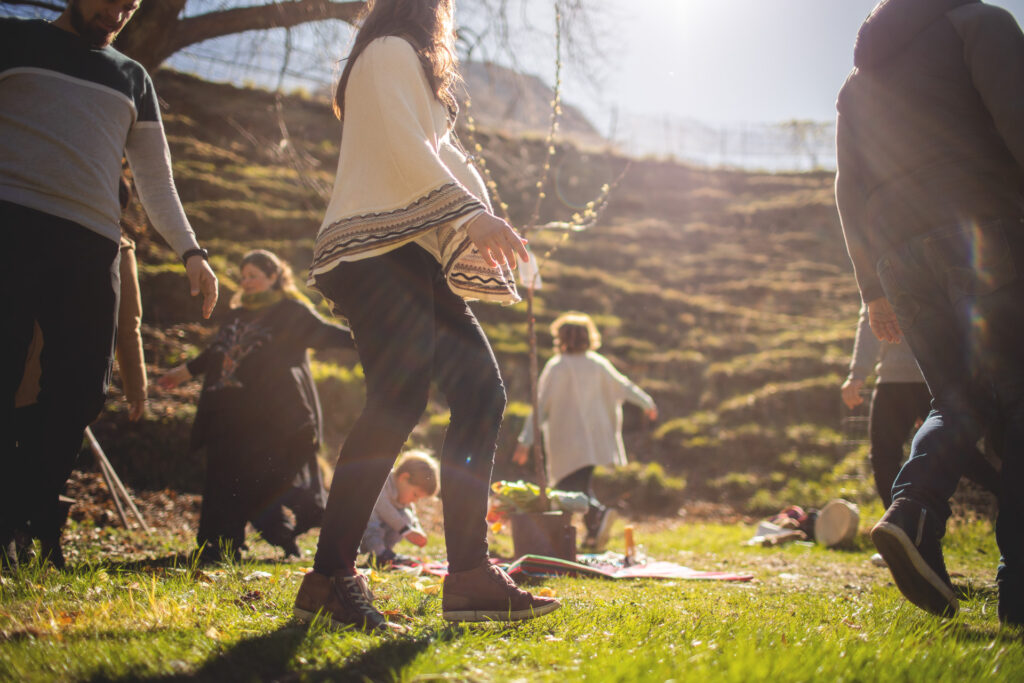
x: 640, y: 487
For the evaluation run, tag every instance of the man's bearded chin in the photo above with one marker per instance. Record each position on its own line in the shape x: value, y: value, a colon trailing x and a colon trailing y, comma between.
x: 92, y: 33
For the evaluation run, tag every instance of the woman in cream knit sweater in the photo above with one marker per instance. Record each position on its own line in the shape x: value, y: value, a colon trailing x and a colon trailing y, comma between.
x: 580, y: 397
x: 407, y: 237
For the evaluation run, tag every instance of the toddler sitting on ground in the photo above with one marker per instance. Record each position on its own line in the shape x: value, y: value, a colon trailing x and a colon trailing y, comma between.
x: 415, y: 476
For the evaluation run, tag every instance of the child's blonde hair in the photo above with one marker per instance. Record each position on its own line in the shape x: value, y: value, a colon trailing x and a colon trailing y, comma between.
x: 424, y: 472
x: 575, y: 332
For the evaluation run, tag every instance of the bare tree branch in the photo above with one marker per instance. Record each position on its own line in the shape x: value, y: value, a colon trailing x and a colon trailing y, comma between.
x: 196, y: 29
x: 158, y: 30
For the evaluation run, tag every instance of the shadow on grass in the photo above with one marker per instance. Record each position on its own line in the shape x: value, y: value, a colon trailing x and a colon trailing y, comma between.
x: 966, y: 633
x: 174, y: 561
x: 973, y: 590
x: 187, y: 561
x: 270, y: 657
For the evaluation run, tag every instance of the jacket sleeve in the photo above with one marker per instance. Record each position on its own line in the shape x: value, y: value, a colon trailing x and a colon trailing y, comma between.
x: 322, y: 334
x: 130, y: 359
x: 200, y: 364
x: 414, y: 521
x: 866, y: 348
x: 150, y: 161
x: 850, y: 200
x: 994, y: 54
x: 624, y: 388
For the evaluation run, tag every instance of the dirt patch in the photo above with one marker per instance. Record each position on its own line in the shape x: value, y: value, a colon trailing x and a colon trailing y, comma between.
x: 166, y: 510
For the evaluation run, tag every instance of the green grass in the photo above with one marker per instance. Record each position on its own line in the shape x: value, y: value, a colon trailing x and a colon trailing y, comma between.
x: 809, y: 614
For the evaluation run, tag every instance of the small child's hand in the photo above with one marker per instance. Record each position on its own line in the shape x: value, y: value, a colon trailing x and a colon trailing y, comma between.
x: 416, y: 537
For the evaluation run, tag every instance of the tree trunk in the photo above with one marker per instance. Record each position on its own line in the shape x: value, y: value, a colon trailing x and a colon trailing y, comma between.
x: 148, y: 36
x: 157, y: 30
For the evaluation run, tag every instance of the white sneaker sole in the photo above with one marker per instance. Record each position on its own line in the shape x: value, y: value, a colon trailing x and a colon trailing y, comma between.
x: 305, y: 616
x: 916, y: 580
x: 494, y: 615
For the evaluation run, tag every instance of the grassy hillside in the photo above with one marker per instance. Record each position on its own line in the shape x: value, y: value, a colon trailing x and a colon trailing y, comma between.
x: 726, y: 294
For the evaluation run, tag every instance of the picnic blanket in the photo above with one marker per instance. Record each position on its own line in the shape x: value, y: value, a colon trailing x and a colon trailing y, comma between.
x: 605, y: 566
x: 609, y: 566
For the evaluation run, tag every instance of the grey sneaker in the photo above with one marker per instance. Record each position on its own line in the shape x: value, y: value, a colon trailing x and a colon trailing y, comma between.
x: 346, y: 599
x: 908, y: 537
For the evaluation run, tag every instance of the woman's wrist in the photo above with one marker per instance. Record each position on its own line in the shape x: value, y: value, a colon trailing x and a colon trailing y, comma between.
x: 471, y: 219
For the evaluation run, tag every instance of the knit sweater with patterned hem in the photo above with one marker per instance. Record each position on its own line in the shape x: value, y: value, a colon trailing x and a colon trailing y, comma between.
x: 401, y: 178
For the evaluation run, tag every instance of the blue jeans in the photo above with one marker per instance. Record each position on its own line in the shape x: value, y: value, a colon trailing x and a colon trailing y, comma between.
x: 958, y: 293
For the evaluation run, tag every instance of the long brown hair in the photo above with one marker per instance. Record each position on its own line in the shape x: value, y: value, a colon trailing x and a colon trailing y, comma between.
x: 429, y: 25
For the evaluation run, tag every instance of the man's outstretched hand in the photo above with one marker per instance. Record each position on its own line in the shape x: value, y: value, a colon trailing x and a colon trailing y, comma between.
x: 201, y: 280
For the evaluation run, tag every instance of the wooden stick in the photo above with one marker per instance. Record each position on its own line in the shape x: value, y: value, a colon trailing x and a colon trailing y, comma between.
x: 538, y: 450
x: 107, y: 478
x: 118, y: 487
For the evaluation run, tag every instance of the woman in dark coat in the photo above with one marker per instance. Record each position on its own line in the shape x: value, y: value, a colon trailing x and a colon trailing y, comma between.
x: 259, y: 414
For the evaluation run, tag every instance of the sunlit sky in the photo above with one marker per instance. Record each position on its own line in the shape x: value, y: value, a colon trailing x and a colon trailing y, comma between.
x: 694, y: 79
x: 724, y: 61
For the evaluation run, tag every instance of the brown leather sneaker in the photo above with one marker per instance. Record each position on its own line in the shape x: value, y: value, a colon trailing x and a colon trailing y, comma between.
x: 489, y: 594
x: 347, y: 599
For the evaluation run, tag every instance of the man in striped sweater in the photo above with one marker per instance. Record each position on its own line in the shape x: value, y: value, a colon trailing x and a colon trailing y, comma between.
x: 71, y: 108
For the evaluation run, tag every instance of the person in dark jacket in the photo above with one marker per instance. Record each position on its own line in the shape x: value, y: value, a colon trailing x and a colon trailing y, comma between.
x: 259, y: 414
x: 930, y: 189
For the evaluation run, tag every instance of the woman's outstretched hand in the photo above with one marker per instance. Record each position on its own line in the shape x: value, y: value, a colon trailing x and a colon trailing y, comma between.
x: 175, y: 377
x: 496, y: 240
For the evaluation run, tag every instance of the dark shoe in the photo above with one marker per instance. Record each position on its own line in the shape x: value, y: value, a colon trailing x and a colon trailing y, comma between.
x: 1011, y: 604
x: 388, y: 559
x: 52, y: 552
x: 489, y: 594
x: 291, y: 549
x: 208, y: 553
x: 346, y: 599
x: 908, y: 537
x: 26, y: 548
x: 8, y: 556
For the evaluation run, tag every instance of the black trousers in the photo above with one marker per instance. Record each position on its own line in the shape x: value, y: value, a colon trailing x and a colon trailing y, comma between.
x: 411, y: 330
x: 306, y: 498
x: 895, y: 408
x: 581, y: 482
x: 65, y: 277
x: 242, y: 482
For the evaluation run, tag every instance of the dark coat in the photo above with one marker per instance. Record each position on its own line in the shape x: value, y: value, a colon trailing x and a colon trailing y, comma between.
x: 931, y: 126
x: 258, y: 390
